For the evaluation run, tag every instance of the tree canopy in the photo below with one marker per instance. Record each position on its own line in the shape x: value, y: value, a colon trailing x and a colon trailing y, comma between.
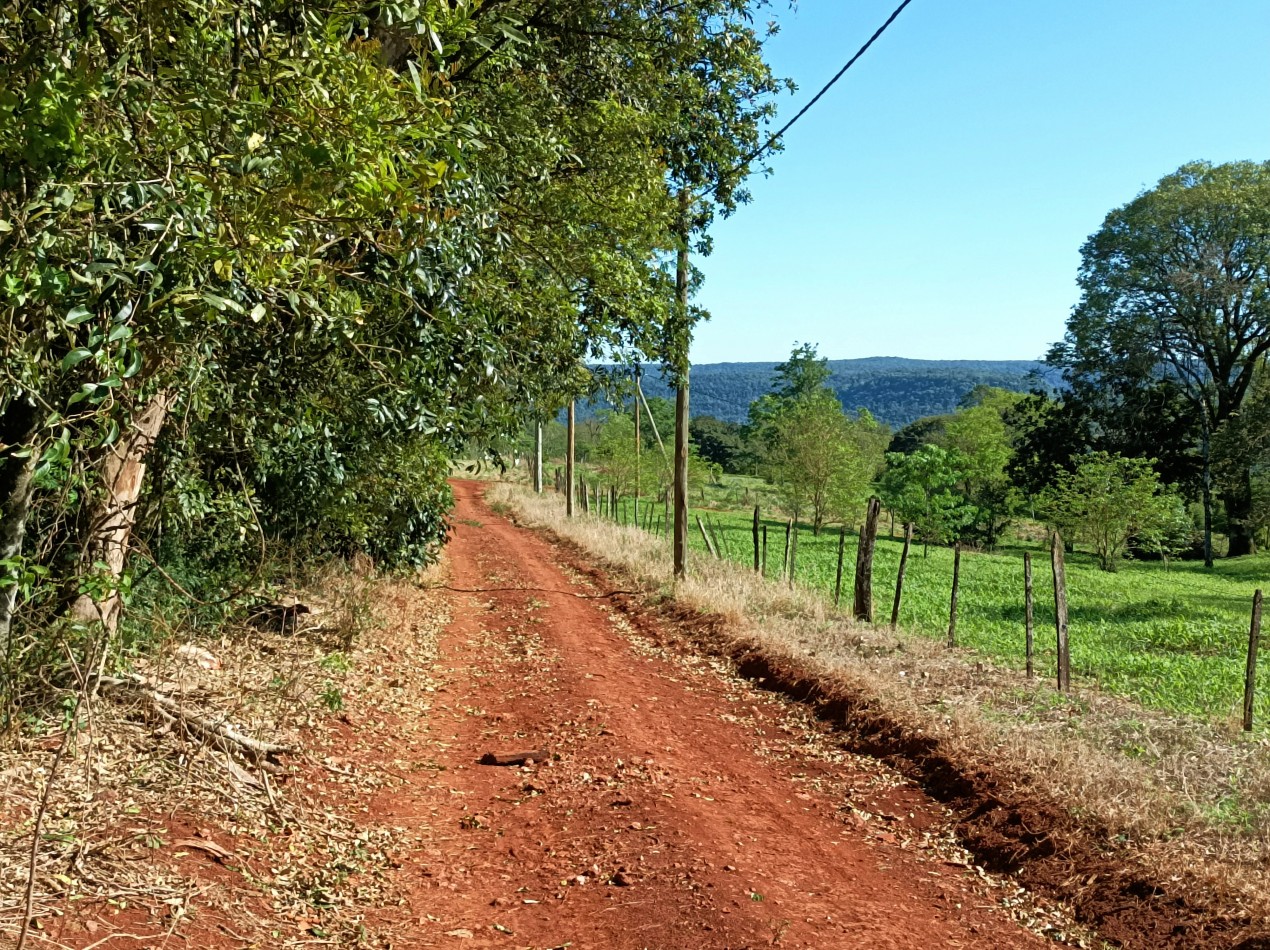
x: 1176, y: 285
x: 267, y: 266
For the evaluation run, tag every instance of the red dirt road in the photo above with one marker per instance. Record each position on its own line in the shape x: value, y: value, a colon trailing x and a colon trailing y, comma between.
x: 679, y: 808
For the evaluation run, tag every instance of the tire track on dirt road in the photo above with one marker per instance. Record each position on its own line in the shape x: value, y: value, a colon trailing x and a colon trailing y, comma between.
x: 679, y: 807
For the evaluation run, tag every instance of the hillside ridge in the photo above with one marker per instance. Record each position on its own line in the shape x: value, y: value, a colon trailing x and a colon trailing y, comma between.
x: 895, y: 389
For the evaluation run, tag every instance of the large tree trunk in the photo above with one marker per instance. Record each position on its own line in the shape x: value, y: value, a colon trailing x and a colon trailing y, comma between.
x: 1206, y: 485
x: 1237, y: 498
x: 123, y: 472
x: 17, y: 427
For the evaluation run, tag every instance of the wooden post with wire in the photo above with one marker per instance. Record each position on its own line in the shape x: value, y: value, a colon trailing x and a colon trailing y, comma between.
x: 952, y: 606
x: 899, y: 577
x: 1060, y: 614
x: 638, y: 447
x: 1250, y: 672
x: 793, y: 554
x: 755, y: 533
x: 837, y: 584
x: 862, y: 606
x: 1030, y: 645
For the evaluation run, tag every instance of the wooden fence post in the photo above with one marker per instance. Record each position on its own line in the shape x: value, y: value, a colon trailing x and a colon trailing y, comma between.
x: 837, y: 584
x: 899, y: 577
x: 1060, y: 613
x: 755, y: 532
x: 1027, y: 611
x: 789, y: 526
x: 793, y: 555
x: 862, y: 608
x: 952, y: 606
x: 1250, y: 674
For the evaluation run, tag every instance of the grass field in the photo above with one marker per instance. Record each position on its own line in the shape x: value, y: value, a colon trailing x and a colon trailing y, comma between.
x: 1172, y: 637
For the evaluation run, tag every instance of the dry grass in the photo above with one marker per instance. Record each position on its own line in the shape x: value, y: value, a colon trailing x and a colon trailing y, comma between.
x: 1187, y: 798
x: 133, y: 792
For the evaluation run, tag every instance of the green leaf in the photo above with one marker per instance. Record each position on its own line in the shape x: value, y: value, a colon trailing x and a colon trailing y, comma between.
x: 75, y: 357
x: 134, y: 364
x: 221, y: 303
x: 78, y: 315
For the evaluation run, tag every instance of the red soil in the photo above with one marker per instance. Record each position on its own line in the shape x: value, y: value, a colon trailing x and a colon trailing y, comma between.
x: 679, y: 807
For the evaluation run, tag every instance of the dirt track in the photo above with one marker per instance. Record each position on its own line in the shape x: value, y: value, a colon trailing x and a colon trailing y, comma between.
x: 679, y: 807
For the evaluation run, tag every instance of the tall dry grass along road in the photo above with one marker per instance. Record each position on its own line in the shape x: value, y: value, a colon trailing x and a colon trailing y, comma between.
x: 667, y: 804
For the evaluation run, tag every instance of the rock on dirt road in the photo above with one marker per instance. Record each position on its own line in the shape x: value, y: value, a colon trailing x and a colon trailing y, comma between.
x: 676, y: 806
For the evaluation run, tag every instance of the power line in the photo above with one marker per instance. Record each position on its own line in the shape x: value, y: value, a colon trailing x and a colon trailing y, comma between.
x: 829, y: 85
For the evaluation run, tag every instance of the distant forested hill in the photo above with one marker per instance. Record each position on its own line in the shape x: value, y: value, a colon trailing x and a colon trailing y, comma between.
x: 894, y: 389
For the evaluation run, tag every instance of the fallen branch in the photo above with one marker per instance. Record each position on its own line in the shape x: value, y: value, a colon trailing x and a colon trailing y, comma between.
x: 513, y: 758
x: 220, y: 733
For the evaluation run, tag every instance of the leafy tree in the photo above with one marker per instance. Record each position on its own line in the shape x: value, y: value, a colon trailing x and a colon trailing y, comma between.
x: 1176, y: 283
x: 722, y: 443
x: 921, y: 488
x: 979, y: 434
x: 334, y: 244
x: 1108, y: 500
x: 822, y: 462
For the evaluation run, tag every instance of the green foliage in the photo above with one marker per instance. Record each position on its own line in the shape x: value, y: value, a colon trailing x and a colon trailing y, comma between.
x: 821, y: 462
x: 1176, y: 284
x: 328, y: 246
x: 1170, y: 636
x: 722, y: 443
x: 921, y: 489
x: 1107, y: 500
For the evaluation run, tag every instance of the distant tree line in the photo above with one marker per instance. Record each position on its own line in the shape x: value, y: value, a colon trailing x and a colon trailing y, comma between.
x: 1157, y: 442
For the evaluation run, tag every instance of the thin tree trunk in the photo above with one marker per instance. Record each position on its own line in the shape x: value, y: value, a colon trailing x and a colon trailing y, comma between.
x: 17, y: 429
x: 123, y: 473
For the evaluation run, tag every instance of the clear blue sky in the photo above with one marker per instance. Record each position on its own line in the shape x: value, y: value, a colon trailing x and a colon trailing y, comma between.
x: 933, y: 204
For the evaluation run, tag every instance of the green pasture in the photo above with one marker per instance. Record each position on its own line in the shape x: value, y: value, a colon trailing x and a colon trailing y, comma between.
x: 1171, y: 637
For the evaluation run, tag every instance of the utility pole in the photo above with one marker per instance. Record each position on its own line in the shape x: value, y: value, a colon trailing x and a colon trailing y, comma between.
x: 680, y: 544
x: 568, y: 467
x: 635, y: 520
x: 538, y: 456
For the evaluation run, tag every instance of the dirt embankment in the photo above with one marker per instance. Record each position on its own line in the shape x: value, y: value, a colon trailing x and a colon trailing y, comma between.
x: 1007, y: 830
